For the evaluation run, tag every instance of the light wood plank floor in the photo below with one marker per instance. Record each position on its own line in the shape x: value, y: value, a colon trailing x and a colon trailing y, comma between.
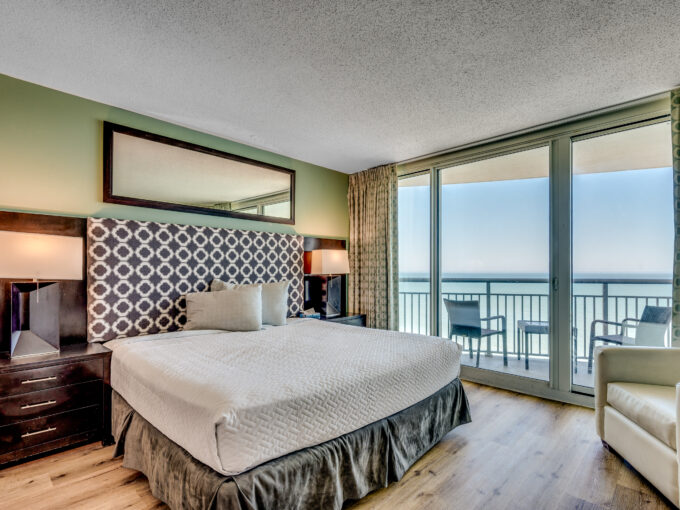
x: 519, y: 452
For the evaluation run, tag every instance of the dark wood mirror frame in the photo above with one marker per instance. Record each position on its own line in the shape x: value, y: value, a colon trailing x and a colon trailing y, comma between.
x: 110, y: 129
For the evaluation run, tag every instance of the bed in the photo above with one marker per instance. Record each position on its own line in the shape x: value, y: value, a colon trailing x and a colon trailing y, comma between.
x: 307, y: 415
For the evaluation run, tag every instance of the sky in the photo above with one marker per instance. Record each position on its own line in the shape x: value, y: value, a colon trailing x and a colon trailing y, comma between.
x: 622, y: 225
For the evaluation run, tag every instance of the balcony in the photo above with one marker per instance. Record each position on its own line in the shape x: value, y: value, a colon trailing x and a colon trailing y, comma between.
x: 527, y: 299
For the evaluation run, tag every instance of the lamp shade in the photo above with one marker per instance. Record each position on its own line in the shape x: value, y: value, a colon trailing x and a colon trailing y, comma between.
x: 40, y: 256
x: 329, y: 262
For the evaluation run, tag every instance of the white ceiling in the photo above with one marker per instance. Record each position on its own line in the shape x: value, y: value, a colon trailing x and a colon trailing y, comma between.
x: 347, y: 85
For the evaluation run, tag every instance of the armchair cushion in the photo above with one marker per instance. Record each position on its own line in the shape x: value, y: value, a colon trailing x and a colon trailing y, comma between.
x: 643, y: 365
x: 650, y: 406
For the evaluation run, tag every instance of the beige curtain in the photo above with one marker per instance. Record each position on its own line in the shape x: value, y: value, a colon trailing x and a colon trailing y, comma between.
x: 373, y: 257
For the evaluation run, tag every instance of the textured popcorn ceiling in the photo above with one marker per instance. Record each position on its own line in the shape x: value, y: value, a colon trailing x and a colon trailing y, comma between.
x: 347, y: 85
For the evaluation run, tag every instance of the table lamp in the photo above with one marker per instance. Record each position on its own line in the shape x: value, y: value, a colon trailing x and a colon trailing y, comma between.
x: 34, y: 305
x: 324, y: 284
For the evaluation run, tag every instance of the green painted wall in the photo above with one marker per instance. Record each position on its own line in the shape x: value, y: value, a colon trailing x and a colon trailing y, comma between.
x: 51, y: 162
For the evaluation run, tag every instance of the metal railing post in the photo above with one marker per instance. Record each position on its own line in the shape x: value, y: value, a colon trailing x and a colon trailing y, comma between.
x: 605, y: 305
x: 488, y: 314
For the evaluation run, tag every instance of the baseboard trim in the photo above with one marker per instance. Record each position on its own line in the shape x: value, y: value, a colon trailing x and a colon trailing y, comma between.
x: 525, y: 386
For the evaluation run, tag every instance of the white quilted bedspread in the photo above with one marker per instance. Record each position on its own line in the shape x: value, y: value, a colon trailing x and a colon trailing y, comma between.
x: 236, y: 400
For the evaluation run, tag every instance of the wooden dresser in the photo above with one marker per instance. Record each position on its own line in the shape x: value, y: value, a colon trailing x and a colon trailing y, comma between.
x: 53, y: 401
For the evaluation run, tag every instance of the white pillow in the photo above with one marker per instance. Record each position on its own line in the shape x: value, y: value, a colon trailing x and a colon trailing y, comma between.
x: 236, y: 309
x: 274, y: 299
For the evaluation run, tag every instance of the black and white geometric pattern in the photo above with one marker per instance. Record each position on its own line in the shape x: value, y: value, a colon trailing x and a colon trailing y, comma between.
x: 139, y: 272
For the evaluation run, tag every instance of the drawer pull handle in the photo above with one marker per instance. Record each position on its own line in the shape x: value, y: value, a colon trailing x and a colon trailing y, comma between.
x: 43, y: 379
x: 39, y: 404
x: 29, y: 434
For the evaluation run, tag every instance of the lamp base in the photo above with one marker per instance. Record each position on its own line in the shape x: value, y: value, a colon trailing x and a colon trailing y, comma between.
x: 324, y: 294
x: 333, y: 304
x: 34, y: 319
x: 27, y: 343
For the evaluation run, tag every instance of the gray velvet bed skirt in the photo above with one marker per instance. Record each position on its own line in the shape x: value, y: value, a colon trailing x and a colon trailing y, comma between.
x: 320, y: 477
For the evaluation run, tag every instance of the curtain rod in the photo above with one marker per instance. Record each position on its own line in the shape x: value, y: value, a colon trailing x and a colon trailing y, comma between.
x: 539, y: 127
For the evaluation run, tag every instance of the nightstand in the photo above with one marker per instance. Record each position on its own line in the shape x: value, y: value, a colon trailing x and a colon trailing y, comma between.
x: 351, y: 319
x: 54, y: 401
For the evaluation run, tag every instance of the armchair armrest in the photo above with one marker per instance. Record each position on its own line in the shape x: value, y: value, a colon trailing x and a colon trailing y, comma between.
x: 494, y: 317
x: 600, y: 321
x: 677, y: 422
x: 644, y: 365
x: 625, y: 325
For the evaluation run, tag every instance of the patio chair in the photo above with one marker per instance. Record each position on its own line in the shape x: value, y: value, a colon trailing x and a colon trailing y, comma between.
x: 650, y: 330
x: 465, y: 320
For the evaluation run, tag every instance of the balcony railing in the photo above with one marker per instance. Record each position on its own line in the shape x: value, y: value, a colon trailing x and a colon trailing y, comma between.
x: 527, y: 299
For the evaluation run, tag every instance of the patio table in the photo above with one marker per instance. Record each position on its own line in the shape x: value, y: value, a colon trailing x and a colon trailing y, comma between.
x: 528, y: 328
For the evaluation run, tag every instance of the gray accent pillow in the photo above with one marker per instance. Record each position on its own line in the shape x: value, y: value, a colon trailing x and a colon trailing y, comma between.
x: 234, y: 309
x: 274, y: 299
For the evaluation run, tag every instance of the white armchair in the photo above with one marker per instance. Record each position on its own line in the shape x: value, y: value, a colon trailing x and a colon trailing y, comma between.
x: 637, y: 406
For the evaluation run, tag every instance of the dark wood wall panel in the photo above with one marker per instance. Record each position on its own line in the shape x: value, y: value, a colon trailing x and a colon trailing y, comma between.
x: 319, y: 243
x: 43, y: 224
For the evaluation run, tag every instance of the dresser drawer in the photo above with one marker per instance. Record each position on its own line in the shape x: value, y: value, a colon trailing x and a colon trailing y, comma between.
x: 26, y: 381
x: 56, y: 400
x: 48, y: 428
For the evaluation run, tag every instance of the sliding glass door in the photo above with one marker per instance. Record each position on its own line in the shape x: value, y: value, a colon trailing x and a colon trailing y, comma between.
x: 494, y: 260
x: 532, y: 251
x: 414, y: 254
x: 622, y: 241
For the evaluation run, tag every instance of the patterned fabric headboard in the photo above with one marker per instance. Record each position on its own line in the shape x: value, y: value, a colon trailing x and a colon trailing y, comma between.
x: 139, y: 272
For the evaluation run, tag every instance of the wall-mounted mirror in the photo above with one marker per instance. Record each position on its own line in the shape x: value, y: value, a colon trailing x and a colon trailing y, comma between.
x: 149, y: 170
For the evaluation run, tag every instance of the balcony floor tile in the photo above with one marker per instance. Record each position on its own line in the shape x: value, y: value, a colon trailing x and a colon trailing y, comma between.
x: 538, y: 367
